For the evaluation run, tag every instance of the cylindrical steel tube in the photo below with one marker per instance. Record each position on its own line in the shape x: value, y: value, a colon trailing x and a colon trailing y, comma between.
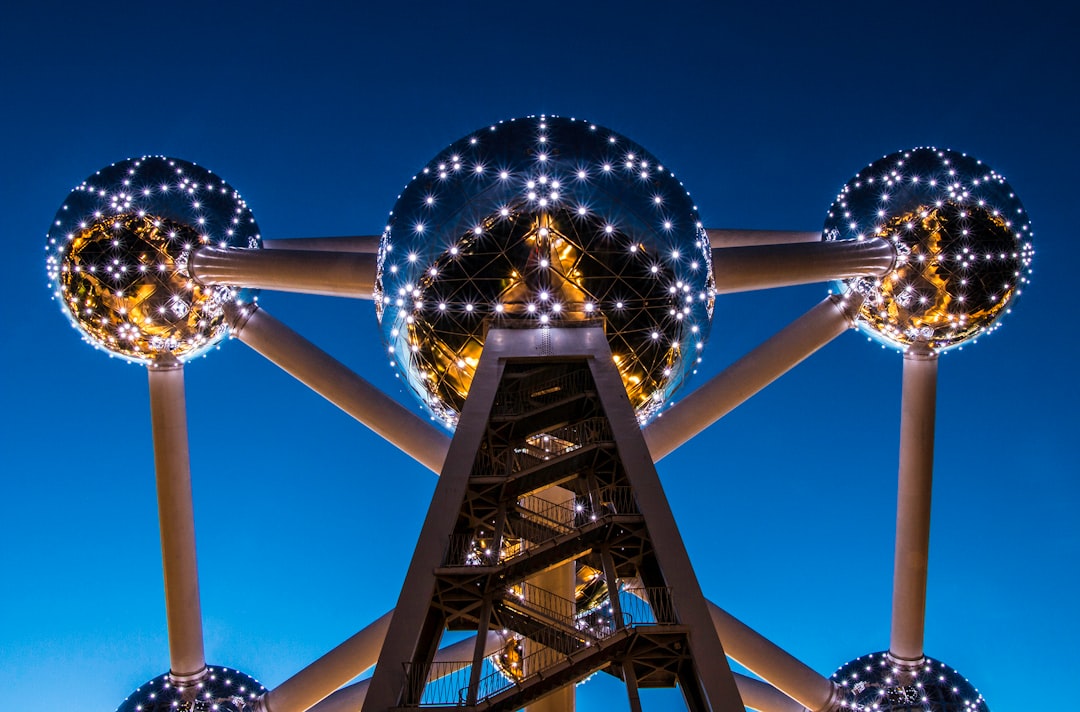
x: 172, y: 464
x: 916, y: 470
x: 351, y: 698
x: 333, y: 381
x: 562, y: 582
x: 336, y: 274
x: 743, y: 269
x: 722, y: 238
x: 319, y: 679
x: 764, y: 658
x: 763, y: 697
x: 757, y: 369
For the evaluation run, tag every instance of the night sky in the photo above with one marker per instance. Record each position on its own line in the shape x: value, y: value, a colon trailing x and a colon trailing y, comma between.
x: 319, y: 116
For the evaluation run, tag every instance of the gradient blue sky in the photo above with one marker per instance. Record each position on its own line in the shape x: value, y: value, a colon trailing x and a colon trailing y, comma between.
x: 319, y: 114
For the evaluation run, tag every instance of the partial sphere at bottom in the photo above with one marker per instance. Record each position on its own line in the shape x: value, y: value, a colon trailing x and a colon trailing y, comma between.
x: 877, y: 683
x: 223, y: 690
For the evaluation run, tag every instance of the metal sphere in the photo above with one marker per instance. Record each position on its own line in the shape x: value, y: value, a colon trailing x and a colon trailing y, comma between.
x: 223, y: 690
x: 964, y: 241
x: 118, y: 251
x: 876, y: 683
x: 536, y: 221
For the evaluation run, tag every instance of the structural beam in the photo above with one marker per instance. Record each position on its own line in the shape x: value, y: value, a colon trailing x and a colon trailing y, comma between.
x: 744, y: 269
x: 319, y: 679
x: 172, y: 465
x: 756, y: 694
x: 334, y: 381
x: 918, y: 403
x: 723, y: 238
x: 351, y: 698
x: 782, y: 670
x: 751, y: 373
x: 335, y: 274
x: 763, y: 697
x: 366, y: 244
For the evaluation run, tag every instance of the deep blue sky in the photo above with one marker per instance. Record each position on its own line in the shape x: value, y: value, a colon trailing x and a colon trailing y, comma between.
x: 319, y: 116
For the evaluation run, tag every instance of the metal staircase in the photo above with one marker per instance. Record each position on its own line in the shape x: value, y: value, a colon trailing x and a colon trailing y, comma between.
x: 538, y: 487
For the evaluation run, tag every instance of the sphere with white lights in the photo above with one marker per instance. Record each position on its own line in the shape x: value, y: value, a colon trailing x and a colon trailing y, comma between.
x: 544, y: 221
x: 876, y: 683
x: 118, y: 252
x: 222, y: 690
x: 963, y: 237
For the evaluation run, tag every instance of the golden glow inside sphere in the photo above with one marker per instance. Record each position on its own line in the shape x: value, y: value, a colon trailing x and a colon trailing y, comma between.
x: 963, y: 237
x: 118, y: 252
x: 544, y: 221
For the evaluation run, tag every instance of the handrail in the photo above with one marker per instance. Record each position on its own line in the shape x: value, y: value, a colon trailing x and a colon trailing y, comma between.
x: 542, y: 446
x: 471, y: 549
x: 649, y: 606
x: 532, y: 598
x: 527, y: 395
x: 446, y: 683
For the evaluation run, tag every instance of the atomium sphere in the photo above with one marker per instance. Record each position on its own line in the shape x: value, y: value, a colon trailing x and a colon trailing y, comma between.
x: 876, y: 683
x: 223, y: 690
x: 544, y: 221
x: 963, y: 238
x: 118, y: 252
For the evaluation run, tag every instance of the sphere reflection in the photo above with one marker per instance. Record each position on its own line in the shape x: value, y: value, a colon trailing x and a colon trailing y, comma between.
x: 223, y: 689
x: 964, y: 241
x: 544, y: 221
x: 118, y: 252
x: 875, y: 682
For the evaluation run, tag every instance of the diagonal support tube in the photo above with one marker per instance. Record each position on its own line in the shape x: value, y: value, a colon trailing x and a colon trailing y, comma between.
x: 763, y: 697
x: 335, y: 274
x: 782, y: 670
x: 751, y: 373
x: 333, y: 381
x: 743, y: 269
x: 351, y: 698
x: 916, y: 470
x: 172, y: 464
x: 756, y: 694
x: 319, y: 679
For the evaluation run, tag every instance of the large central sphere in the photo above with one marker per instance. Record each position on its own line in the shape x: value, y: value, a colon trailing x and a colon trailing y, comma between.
x: 544, y: 221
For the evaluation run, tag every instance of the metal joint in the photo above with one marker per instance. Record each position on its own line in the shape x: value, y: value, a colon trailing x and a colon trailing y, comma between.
x: 238, y: 315
x: 848, y: 304
x: 188, y: 679
x: 835, y: 701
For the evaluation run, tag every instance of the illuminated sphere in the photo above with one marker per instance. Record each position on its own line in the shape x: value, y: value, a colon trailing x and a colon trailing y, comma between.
x: 874, y: 683
x: 543, y: 221
x: 224, y: 690
x: 964, y: 242
x: 118, y: 252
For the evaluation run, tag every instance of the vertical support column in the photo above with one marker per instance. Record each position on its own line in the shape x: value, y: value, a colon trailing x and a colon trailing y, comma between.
x: 632, y: 695
x: 168, y: 418
x: 612, y: 585
x: 917, y: 410
x: 562, y: 581
x: 479, y: 649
